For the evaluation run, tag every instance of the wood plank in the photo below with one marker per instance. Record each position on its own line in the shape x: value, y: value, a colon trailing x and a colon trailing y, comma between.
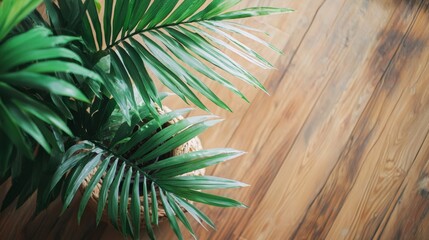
x: 410, y: 215
x: 302, y: 97
x: 325, y: 207
x: 352, y: 76
x: 20, y: 224
x: 263, y: 105
x: 288, y: 104
x: 391, y: 154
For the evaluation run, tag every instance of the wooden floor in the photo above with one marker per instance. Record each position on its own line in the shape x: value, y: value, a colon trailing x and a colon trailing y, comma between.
x: 340, y: 148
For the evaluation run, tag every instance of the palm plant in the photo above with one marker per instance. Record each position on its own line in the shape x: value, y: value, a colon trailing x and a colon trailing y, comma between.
x: 78, y: 103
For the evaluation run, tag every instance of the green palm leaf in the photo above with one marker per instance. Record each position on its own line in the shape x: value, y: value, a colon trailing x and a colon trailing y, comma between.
x: 81, y: 172
x: 12, y: 130
x: 180, y: 214
x: 128, y: 21
x: 27, y: 67
x: 87, y: 194
x: 155, y: 218
x: 251, y: 12
x: 119, y: 172
x: 16, y: 11
x: 36, y: 72
x: 207, y: 198
x: 170, y: 215
x: 107, y: 181
x: 195, y: 212
x: 200, y: 182
x: 123, y: 204
x: 146, y: 208
x: 135, y: 206
x: 113, y: 196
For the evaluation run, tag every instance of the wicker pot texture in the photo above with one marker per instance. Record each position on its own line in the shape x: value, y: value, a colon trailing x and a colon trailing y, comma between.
x: 190, y: 146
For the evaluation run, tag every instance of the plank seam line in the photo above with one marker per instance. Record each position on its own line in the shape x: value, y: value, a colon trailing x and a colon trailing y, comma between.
x: 300, y: 42
x: 390, y: 215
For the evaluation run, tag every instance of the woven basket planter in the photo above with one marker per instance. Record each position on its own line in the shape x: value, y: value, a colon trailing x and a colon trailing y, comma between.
x: 190, y: 146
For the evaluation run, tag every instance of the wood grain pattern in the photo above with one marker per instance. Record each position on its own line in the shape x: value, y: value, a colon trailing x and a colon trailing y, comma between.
x: 408, y: 221
x: 390, y: 157
x: 340, y: 148
x: 324, y: 209
x: 311, y: 159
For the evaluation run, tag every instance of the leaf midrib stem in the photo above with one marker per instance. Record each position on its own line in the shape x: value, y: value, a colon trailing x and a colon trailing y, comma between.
x: 148, y: 30
x: 135, y: 166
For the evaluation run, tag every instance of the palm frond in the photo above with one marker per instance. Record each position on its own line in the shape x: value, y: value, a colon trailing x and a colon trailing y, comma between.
x: 134, y: 34
x: 117, y: 184
x: 251, y: 12
x: 117, y: 165
x: 25, y: 68
x: 39, y: 81
x: 14, y: 11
